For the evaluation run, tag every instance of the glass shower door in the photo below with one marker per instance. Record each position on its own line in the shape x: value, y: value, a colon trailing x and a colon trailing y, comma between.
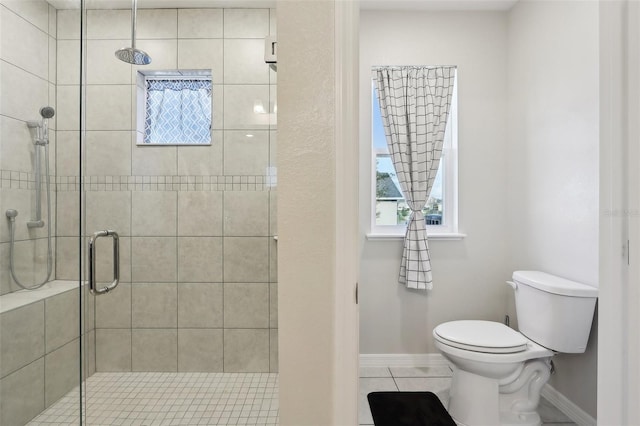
x: 191, y: 198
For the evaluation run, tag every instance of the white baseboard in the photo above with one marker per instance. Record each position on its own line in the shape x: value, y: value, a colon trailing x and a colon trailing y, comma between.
x: 571, y: 410
x: 561, y: 402
x: 402, y: 360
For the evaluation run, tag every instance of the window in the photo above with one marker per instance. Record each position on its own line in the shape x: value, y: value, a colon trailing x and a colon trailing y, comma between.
x: 390, y: 213
x: 174, y: 107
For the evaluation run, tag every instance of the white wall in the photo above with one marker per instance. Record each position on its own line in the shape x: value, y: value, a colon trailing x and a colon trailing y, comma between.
x: 468, y: 274
x: 553, y: 158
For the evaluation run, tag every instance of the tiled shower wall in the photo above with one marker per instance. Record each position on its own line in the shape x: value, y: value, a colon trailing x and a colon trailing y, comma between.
x: 198, y: 277
x: 39, y: 343
x: 28, y: 82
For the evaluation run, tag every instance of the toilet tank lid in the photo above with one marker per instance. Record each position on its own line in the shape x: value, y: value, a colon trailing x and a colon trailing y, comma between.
x: 553, y: 284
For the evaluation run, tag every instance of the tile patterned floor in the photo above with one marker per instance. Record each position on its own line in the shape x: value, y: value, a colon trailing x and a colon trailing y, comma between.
x: 171, y: 399
x: 434, y: 379
x: 229, y: 398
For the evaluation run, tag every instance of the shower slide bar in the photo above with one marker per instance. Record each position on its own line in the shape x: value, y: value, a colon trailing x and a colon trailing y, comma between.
x: 40, y: 141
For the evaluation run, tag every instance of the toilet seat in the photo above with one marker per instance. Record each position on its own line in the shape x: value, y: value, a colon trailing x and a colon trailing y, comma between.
x: 481, y: 336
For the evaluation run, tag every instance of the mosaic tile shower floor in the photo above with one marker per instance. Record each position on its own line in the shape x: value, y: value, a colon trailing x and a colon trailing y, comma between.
x: 171, y: 399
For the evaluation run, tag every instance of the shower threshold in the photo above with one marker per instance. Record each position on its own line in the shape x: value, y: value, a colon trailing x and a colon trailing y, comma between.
x: 170, y: 399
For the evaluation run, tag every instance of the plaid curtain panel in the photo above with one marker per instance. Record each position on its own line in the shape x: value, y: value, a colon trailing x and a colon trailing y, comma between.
x: 414, y: 104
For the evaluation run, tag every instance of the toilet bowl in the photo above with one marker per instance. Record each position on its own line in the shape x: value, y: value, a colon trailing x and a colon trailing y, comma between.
x: 498, y: 372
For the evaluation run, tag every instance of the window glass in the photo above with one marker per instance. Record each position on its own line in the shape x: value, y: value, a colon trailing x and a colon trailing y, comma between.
x: 390, y: 206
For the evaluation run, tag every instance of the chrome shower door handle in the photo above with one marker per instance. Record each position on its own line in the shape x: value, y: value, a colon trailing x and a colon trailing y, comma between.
x: 92, y: 261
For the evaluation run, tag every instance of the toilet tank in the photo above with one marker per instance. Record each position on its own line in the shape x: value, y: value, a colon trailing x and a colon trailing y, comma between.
x: 554, y: 312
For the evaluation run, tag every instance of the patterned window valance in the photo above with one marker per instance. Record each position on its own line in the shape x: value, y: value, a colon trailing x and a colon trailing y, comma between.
x: 178, y: 111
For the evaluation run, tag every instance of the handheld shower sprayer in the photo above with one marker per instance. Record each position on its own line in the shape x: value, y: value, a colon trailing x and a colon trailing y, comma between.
x: 42, y: 127
x: 46, y: 112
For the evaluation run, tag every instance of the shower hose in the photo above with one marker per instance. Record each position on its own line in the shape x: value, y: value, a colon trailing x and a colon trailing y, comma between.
x: 12, y: 230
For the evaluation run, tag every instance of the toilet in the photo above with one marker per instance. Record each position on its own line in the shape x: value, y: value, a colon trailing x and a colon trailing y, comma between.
x: 498, y: 371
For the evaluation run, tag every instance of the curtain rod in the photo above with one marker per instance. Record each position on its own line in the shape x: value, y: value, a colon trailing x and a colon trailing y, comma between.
x: 178, y: 77
x: 377, y: 67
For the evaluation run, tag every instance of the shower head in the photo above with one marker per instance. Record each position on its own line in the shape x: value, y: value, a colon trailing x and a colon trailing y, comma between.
x: 47, y: 112
x: 133, y: 56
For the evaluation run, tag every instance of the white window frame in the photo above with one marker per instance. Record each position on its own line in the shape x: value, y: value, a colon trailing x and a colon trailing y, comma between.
x: 449, y: 229
x: 141, y: 98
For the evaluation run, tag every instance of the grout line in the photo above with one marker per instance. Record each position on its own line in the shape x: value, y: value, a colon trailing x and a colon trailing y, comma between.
x: 222, y: 275
x: 131, y: 272
x: 177, y: 239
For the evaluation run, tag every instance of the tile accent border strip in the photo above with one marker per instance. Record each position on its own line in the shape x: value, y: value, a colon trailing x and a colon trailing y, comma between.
x: 22, y: 180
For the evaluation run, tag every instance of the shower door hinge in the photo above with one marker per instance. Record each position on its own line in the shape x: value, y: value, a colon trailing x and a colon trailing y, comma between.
x: 625, y: 252
x: 628, y: 256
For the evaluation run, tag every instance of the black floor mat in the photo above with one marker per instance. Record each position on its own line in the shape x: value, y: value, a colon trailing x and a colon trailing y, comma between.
x: 408, y: 409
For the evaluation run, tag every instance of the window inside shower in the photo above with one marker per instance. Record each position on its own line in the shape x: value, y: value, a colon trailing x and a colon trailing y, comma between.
x: 174, y: 107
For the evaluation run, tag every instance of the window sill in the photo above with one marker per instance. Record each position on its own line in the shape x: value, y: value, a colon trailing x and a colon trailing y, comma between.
x: 432, y: 237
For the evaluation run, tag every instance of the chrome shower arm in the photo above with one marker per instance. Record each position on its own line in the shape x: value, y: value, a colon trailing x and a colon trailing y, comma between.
x: 134, y: 13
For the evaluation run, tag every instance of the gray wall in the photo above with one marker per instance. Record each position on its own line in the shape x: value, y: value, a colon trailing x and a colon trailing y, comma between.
x: 469, y: 274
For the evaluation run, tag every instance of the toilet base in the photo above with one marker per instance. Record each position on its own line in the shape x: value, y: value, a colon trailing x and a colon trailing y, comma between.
x: 476, y: 400
x: 522, y: 419
x: 473, y: 399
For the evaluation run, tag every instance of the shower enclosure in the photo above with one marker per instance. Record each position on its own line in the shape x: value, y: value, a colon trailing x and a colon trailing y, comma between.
x: 182, y: 234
